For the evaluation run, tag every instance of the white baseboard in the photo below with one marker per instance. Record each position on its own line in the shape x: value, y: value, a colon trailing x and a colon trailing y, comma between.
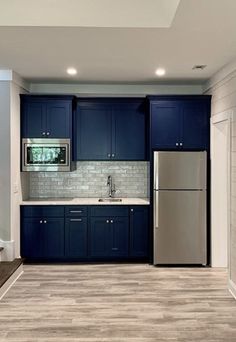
x: 13, y: 278
x: 232, y: 288
x: 8, y: 254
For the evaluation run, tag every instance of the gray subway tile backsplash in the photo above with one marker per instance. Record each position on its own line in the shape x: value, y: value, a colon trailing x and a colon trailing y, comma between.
x: 90, y: 180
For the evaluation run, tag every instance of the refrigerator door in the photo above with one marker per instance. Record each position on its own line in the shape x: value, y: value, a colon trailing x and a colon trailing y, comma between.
x: 180, y: 227
x: 179, y: 170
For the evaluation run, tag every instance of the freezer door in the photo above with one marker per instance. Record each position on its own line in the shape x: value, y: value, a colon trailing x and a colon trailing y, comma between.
x: 179, y: 170
x: 180, y: 227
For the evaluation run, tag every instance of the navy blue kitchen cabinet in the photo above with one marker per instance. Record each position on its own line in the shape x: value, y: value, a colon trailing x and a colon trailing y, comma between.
x: 129, y: 131
x: 109, y: 237
x: 180, y: 122
x: 42, y: 238
x: 196, y: 124
x: 52, y: 238
x: 99, y: 245
x: 110, y: 129
x: 31, y: 241
x: 166, y: 124
x: 139, y: 231
x: 46, y: 116
x: 76, y: 232
x: 92, y: 132
x: 119, y: 236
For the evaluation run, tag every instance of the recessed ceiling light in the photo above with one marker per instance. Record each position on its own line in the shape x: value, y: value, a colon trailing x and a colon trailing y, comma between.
x: 199, y: 67
x: 71, y: 71
x: 160, y: 72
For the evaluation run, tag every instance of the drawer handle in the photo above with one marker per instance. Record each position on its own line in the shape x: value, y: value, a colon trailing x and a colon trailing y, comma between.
x: 115, y: 249
x: 75, y: 220
x: 76, y: 211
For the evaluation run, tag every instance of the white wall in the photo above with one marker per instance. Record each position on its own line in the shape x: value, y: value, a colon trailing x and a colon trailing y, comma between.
x: 11, y: 181
x: 220, y: 167
x: 19, y: 181
x: 223, y: 89
x: 5, y: 160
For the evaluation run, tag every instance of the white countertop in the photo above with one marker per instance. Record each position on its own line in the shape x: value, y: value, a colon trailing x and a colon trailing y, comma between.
x: 83, y: 201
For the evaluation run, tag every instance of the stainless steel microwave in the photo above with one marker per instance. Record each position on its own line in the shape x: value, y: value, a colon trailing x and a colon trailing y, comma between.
x: 46, y: 155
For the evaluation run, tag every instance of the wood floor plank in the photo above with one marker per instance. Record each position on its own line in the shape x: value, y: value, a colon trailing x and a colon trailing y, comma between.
x: 111, y: 303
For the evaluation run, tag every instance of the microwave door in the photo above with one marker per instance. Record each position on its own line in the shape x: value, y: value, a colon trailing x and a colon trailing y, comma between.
x: 46, y: 155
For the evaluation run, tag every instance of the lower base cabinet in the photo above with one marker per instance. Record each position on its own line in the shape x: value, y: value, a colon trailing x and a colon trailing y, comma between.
x: 109, y: 237
x: 102, y: 233
x: 76, y: 239
x: 42, y: 238
x: 139, y: 232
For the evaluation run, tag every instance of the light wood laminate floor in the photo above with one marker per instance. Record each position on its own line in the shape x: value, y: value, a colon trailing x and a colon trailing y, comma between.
x: 106, y: 303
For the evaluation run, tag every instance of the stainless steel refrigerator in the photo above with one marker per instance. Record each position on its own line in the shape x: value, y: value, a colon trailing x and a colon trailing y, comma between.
x: 180, y: 208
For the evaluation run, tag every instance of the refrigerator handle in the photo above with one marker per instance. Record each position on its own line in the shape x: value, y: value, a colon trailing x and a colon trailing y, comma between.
x: 155, y: 170
x: 155, y: 209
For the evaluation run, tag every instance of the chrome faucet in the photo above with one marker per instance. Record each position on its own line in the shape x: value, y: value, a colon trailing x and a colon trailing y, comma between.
x: 112, y: 189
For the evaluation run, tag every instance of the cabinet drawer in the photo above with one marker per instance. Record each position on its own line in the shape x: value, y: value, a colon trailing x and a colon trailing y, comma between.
x: 107, y: 210
x: 76, y: 210
x: 42, y: 211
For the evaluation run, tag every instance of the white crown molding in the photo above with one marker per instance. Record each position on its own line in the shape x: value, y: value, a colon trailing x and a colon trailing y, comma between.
x: 21, y: 82
x: 115, y: 89
x: 5, y: 75
x: 12, y: 76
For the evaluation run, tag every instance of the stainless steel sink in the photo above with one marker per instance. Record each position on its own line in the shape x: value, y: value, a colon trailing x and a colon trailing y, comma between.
x: 110, y: 200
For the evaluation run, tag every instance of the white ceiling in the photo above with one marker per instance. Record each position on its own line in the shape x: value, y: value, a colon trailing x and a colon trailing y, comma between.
x: 202, y: 32
x: 88, y: 13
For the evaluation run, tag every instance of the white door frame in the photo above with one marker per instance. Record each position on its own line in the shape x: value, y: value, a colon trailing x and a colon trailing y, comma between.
x: 218, y: 118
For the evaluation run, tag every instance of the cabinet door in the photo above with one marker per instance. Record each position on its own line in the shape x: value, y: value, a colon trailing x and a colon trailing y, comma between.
x: 31, y: 238
x: 33, y: 119
x: 119, y: 236
x: 166, y: 124
x: 59, y: 118
x: 52, y: 237
x: 76, y: 237
x: 93, y: 132
x: 100, y: 237
x: 129, y: 131
x: 139, y: 231
x: 195, y: 124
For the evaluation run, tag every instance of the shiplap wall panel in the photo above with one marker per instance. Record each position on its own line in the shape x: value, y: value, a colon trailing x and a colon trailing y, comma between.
x: 223, y: 104
x: 223, y: 99
x: 224, y: 89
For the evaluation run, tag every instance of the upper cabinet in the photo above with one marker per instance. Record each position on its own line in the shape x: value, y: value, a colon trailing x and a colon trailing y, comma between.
x: 110, y: 129
x: 180, y: 122
x: 92, y: 131
x: 46, y: 116
x: 129, y: 131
